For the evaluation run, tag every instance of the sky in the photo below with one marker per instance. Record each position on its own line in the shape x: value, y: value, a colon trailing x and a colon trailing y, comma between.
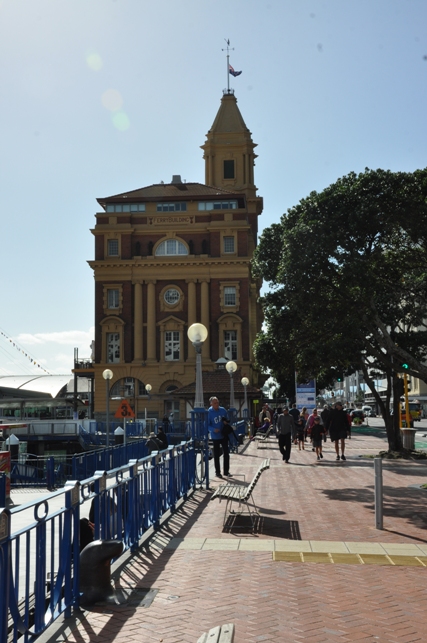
x: 99, y: 97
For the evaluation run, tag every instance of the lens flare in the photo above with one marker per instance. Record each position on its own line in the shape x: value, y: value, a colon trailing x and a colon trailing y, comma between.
x: 94, y: 61
x: 121, y: 121
x: 112, y: 100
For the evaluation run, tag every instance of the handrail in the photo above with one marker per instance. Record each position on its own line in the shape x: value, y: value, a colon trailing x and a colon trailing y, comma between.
x: 40, y: 541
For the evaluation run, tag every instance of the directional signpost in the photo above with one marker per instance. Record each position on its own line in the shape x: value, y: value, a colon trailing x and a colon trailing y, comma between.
x: 124, y: 411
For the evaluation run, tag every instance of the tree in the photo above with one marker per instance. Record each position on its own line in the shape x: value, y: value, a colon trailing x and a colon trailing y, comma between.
x: 348, y: 275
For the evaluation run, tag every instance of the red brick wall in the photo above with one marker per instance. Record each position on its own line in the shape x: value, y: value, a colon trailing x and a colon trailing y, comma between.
x: 242, y: 243
x: 99, y: 247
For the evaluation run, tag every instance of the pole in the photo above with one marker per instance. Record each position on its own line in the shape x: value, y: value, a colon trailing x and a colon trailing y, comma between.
x: 378, y: 469
x: 408, y: 417
x: 232, y: 403
x: 124, y: 429
x: 107, y: 412
x: 198, y: 401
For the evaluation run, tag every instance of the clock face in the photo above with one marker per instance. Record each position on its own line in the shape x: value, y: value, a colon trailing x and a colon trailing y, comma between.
x: 171, y: 296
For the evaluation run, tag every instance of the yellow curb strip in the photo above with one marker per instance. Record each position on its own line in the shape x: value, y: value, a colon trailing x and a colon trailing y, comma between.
x: 350, y: 559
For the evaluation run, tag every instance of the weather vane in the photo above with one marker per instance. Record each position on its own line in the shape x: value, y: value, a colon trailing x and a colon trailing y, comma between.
x: 230, y: 69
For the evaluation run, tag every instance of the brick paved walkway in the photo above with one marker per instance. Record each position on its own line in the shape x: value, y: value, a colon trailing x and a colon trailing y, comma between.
x: 207, y: 575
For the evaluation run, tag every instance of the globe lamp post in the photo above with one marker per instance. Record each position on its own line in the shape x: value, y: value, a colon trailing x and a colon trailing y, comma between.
x: 231, y: 367
x: 107, y: 375
x: 244, y: 381
x: 197, y: 334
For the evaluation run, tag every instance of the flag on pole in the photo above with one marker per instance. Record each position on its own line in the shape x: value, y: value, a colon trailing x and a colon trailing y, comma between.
x: 232, y: 72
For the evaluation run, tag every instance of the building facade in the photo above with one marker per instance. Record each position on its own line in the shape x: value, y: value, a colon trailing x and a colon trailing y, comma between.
x: 170, y: 255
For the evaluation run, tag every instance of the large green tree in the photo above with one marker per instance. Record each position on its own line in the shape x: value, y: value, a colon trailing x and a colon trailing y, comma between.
x: 347, y: 270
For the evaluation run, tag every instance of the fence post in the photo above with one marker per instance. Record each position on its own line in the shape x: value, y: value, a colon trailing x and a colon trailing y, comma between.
x: 2, y: 490
x: 71, y: 544
x: 378, y: 468
x: 5, y: 568
x: 50, y: 473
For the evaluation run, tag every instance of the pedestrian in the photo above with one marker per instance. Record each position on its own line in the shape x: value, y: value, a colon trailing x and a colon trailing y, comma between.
x: 338, y: 428
x: 286, y: 428
x: 216, y: 413
x: 263, y: 414
x: 296, y: 415
x: 317, y: 432
x: 325, y: 416
x: 309, y: 424
x: 305, y: 414
x: 162, y: 438
x: 300, y: 432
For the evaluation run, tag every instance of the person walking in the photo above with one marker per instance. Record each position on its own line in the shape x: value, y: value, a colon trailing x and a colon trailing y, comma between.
x: 317, y: 432
x: 300, y: 432
x: 216, y: 414
x: 296, y: 415
x: 310, y: 423
x: 286, y: 428
x: 338, y: 428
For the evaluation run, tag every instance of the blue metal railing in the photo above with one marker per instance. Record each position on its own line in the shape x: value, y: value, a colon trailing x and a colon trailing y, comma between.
x: 39, y: 570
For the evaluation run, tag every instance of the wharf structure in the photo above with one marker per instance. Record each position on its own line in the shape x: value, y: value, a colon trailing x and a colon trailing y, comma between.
x: 172, y: 254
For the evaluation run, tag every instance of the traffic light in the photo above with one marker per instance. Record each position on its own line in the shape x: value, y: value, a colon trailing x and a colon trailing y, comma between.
x: 339, y: 378
x: 405, y: 366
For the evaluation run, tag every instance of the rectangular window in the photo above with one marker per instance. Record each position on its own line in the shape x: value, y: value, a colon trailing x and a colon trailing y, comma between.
x: 127, y: 207
x: 172, y: 345
x: 113, y: 248
x: 113, y: 348
x: 228, y: 169
x: 217, y: 205
x: 112, y: 298
x: 229, y: 244
x: 230, y: 344
x: 230, y: 296
x: 171, y: 207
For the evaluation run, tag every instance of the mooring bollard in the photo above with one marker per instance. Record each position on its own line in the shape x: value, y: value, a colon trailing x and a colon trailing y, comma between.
x: 95, y: 571
x: 378, y: 468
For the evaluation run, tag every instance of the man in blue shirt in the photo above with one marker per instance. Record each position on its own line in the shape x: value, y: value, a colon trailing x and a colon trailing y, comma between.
x: 215, y: 424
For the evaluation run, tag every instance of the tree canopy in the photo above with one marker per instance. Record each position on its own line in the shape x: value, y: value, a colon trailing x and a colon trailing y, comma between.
x: 348, y: 274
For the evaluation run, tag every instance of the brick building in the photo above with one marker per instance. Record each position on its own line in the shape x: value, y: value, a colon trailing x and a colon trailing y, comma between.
x: 170, y: 255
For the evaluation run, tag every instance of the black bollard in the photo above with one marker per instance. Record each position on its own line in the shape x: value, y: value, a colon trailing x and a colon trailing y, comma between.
x: 95, y: 571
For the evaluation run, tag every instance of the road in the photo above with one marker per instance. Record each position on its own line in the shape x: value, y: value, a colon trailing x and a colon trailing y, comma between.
x: 420, y: 436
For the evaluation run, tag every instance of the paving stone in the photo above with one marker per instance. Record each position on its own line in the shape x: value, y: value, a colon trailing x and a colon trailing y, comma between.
x: 207, y: 575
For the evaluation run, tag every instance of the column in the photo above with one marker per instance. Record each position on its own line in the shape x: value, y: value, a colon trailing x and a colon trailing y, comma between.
x: 205, y: 317
x: 151, y: 321
x: 137, y: 323
x: 192, y: 318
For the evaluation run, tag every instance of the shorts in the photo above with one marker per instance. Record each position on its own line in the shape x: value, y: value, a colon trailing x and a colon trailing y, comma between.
x: 317, y: 442
x: 341, y: 434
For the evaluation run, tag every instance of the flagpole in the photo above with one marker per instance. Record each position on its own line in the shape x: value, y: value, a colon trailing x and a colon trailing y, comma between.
x: 228, y: 72
x: 227, y: 40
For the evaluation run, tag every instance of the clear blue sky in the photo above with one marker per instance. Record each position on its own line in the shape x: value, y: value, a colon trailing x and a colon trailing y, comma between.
x: 102, y: 96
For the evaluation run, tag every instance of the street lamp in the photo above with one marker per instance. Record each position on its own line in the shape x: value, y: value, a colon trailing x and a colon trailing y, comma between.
x: 197, y: 334
x: 107, y: 375
x: 148, y: 388
x: 244, y: 381
x: 231, y: 367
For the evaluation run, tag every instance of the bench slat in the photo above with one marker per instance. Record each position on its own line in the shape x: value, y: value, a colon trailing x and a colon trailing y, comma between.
x: 219, y: 634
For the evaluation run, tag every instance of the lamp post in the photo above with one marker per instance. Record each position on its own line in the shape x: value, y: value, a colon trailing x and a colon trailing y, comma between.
x: 244, y: 381
x: 148, y: 388
x: 107, y: 375
x: 231, y: 367
x: 197, y: 334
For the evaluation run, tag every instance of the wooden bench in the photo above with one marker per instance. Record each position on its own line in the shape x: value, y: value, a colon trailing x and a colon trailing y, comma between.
x: 219, y: 634
x: 241, y: 494
x: 263, y: 437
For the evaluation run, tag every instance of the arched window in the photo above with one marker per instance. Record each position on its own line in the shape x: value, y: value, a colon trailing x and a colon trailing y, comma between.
x: 171, y: 247
x: 128, y: 387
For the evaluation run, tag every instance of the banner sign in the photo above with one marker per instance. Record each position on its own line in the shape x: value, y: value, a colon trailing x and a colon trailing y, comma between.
x: 305, y: 393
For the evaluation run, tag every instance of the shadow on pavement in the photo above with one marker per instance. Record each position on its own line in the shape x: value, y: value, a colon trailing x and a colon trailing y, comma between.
x: 264, y: 526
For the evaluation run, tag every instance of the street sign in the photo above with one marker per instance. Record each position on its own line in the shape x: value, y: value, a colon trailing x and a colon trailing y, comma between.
x: 124, y: 410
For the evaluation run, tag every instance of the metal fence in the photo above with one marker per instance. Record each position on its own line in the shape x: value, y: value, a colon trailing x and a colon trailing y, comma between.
x: 40, y: 541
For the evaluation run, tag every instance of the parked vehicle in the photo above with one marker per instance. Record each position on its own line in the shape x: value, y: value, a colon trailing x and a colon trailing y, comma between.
x: 357, y: 416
